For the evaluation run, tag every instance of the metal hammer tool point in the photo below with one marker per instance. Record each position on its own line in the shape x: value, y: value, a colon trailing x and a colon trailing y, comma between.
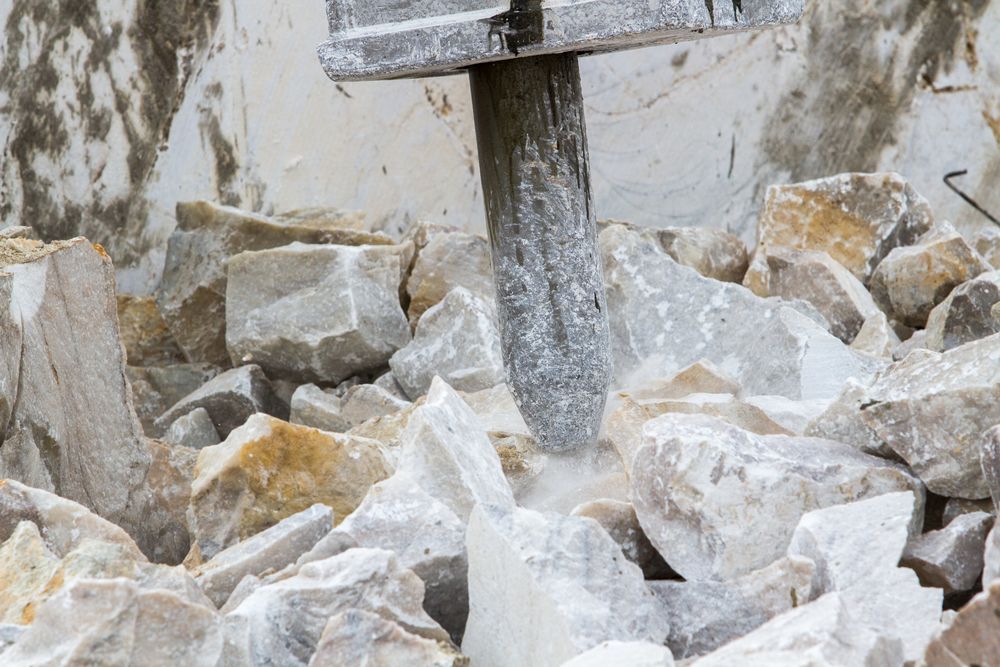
x: 521, y: 56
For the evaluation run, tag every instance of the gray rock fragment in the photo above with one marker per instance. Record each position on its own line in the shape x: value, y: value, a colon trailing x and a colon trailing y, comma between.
x: 230, y: 398
x: 719, y: 502
x: 318, y: 408
x: 842, y: 422
x: 967, y: 314
x: 192, y: 293
x: 951, y: 558
x: 355, y: 637
x: 665, y: 317
x: 281, y: 623
x: 68, y: 421
x: 911, y: 280
x: 449, y: 260
x: 546, y: 587
x: 705, y: 615
x: 367, y: 401
x: 876, y: 337
x: 155, y: 389
x: 989, y: 462
x: 991, y: 556
x: 457, y: 340
x: 619, y: 520
x: 956, y: 507
x: 973, y: 637
x: 711, y: 252
x: 932, y: 410
x: 269, y: 550
x: 194, y: 430
x: 316, y: 313
x: 817, y: 278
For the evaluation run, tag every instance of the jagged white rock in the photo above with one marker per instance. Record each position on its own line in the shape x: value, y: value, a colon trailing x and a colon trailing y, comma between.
x: 719, y: 502
x: 624, y: 654
x: 312, y: 406
x: 546, y: 587
x: 457, y: 339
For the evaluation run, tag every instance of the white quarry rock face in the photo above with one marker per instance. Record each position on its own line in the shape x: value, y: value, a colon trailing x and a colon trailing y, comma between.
x: 457, y: 340
x: 822, y: 281
x: 719, y: 502
x: 447, y: 260
x: 355, y: 637
x: 115, y: 622
x: 705, y: 615
x: 272, y: 549
x: 842, y: 422
x: 316, y: 313
x: 624, y: 654
x: 876, y: 337
x: 312, y: 406
x: 857, y: 218
x: 991, y: 556
x: 666, y: 316
x: 445, y: 450
x: 951, y: 558
x: 229, y: 398
x: 427, y: 537
x: 932, y: 410
x: 793, y: 416
x: 546, y: 587
x: 857, y: 541
x: 194, y: 430
x: 367, y: 401
x: 967, y: 314
x: 69, y: 422
x: 281, y: 623
x: 856, y: 548
x: 823, y: 633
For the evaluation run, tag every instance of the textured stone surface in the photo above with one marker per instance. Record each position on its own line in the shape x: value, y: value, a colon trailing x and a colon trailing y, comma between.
x: 147, y: 340
x: 230, y: 398
x: 705, y: 615
x: 711, y: 252
x: 623, y: 654
x: 856, y: 548
x: 26, y: 566
x: 267, y: 470
x: 719, y: 502
x: 619, y: 520
x: 281, y: 623
x: 856, y: 218
x: 951, y: 558
x: 817, y: 278
x: 446, y: 261
x: 69, y: 425
x: 665, y: 317
x: 701, y: 377
x: 195, y: 430
x: 318, y: 408
x: 457, y: 340
x: 823, y: 632
x: 155, y: 389
x: 448, y: 35
x: 876, y: 337
x: 316, y: 313
x: 973, y: 637
x: 192, y: 294
x: 445, y: 450
x: 367, y: 401
x: 723, y: 406
x: 991, y: 556
x: 967, y: 314
x: 842, y: 421
x: 356, y: 637
x: 271, y: 549
x: 161, y: 513
x: 989, y: 462
x: 427, y: 537
x: 115, y: 622
x: 546, y: 587
x: 911, y: 280
x: 932, y: 409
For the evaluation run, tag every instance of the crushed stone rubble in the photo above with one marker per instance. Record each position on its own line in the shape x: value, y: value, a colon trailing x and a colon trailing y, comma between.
x: 300, y: 450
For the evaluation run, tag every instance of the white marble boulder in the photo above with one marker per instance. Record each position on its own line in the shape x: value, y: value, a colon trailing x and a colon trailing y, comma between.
x: 720, y: 502
x: 546, y: 587
x: 316, y: 313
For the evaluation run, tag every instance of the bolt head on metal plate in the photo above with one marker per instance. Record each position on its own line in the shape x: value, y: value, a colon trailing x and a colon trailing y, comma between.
x: 388, y: 39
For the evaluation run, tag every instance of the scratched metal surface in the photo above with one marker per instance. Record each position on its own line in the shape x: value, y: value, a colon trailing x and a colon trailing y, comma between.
x: 387, y: 39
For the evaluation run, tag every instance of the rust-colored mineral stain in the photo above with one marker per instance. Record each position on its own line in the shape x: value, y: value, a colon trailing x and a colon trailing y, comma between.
x: 294, y: 467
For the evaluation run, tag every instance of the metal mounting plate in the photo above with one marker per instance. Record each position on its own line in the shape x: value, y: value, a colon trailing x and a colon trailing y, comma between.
x: 388, y: 39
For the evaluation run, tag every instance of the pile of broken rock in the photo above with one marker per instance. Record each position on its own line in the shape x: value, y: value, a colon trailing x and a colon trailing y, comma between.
x: 310, y: 458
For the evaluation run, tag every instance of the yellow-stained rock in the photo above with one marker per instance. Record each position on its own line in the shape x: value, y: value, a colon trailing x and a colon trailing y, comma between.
x: 145, y: 335
x: 856, y: 218
x: 268, y: 469
x: 26, y: 565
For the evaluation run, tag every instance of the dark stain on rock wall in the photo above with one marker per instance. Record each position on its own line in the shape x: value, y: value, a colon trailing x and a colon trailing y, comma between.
x: 53, y: 99
x: 867, y: 84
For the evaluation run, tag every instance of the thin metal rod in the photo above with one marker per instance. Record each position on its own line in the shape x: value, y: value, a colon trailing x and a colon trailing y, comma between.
x: 969, y: 200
